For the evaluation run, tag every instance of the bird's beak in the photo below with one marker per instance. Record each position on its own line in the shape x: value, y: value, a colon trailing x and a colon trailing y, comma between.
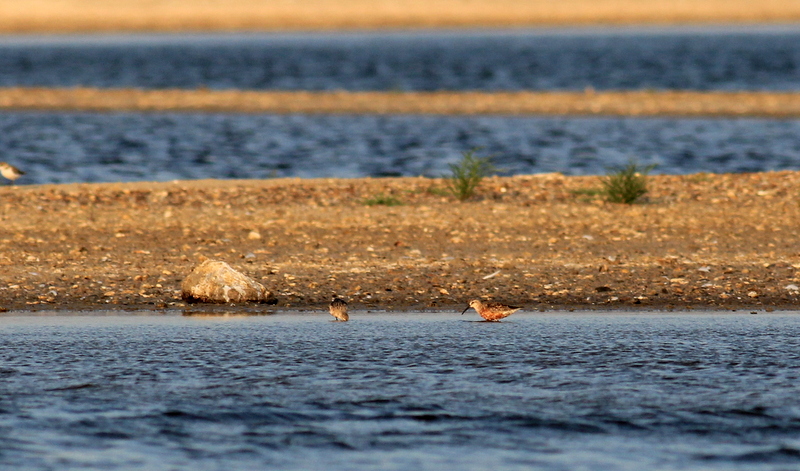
x: 465, y: 310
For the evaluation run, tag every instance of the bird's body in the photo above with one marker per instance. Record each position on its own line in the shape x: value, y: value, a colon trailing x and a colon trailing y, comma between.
x: 338, y: 309
x: 491, y: 311
x: 10, y: 172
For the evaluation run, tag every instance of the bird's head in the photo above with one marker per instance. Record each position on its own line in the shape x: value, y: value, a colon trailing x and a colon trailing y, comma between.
x: 472, y: 304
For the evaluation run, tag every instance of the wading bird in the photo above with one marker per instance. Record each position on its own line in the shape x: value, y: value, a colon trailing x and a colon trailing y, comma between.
x: 338, y: 309
x: 491, y: 311
x: 10, y: 172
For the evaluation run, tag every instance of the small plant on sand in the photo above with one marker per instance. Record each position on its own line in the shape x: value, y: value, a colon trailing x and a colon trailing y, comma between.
x: 627, y: 184
x: 467, y: 175
x: 436, y: 191
x: 701, y: 177
x: 586, y: 194
x: 382, y: 200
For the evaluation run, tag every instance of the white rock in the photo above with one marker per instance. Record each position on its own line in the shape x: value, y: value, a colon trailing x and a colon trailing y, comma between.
x: 214, y: 281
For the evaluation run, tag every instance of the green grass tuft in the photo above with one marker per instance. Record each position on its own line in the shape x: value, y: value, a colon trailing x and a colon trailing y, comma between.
x: 382, y: 200
x: 586, y: 192
x: 626, y: 185
x: 701, y: 177
x: 467, y: 175
x: 586, y: 195
x: 436, y: 191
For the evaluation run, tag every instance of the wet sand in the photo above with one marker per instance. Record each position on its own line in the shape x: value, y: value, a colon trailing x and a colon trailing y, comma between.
x: 701, y: 241
x: 259, y: 15
x: 622, y: 103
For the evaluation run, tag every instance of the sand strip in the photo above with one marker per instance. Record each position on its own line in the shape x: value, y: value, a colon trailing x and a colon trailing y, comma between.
x: 259, y: 15
x: 702, y: 241
x: 622, y: 103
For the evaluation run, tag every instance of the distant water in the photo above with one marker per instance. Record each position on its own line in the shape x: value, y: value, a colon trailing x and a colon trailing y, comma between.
x: 708, y: 58
x: 97, y: 147
x: 401, y: 391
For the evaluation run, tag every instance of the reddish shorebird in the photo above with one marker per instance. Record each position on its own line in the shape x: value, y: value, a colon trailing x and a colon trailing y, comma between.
x: 338, y: 309
x: 10, y: 172
x: 491, y: 311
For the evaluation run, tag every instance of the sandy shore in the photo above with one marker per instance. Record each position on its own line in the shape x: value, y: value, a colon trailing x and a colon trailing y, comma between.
x: 623, y: 103
x: 259, y: 15
x: 702, y: 241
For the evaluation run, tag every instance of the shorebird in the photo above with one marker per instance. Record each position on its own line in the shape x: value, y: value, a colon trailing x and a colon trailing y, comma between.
x: 10, y: 172
x: 491, y: 311
x: 338, y: 309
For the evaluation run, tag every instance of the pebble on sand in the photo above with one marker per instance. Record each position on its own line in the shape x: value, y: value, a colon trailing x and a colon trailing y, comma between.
x: 215, y: 281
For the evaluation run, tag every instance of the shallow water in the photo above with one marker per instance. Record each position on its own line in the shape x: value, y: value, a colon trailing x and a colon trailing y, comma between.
x: 99, y: 147
x: 707, y: 58
x: 401, y: 391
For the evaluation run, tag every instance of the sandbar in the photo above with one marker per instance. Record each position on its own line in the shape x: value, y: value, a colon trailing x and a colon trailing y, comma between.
x: 702, y: 241
x: 67, y: 16
x: 587, y: 102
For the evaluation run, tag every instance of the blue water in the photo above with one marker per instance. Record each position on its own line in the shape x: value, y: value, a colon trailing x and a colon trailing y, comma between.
x: 707, y: 58
x: 407, y: 391
x: 95, y: 147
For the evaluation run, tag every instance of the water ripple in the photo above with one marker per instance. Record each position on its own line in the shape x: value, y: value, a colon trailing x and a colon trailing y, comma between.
x: 688, y: 391
x: 92, y: 147
x: 765, y: 58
